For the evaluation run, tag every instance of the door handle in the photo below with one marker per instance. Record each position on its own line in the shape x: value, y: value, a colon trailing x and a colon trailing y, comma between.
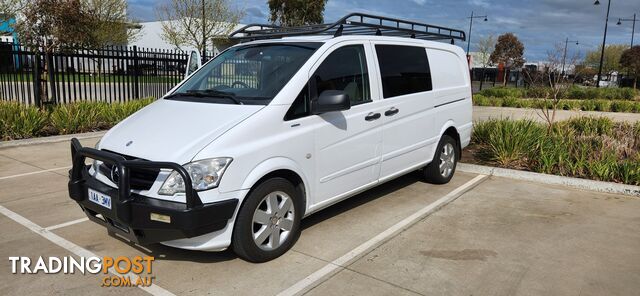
x: 372, y: 116
x: 391, y: 112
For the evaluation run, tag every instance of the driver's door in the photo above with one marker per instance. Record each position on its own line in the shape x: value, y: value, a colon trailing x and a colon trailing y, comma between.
x: 348, y: 143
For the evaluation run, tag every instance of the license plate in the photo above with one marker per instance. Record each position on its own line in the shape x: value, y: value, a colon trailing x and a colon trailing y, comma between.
x: 100, y: 198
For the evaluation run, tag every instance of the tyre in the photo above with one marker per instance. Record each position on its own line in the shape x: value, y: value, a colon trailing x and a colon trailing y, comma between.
x: 444, y: 162
x: 268, y: 223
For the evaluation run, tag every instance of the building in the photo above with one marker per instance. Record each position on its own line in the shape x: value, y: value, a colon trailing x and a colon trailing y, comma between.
x: 150, y: 36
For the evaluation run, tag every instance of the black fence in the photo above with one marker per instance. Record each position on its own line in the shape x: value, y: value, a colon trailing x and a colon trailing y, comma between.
x: 111, y: 74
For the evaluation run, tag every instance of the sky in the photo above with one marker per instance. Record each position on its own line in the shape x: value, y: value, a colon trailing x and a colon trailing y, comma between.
x: 540, y: 24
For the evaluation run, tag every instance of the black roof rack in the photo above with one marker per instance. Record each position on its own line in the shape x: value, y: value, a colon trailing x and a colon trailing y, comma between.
x: 352, y: 24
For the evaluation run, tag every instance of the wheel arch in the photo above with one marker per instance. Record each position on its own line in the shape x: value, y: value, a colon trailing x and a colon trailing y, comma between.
x: 279, y: 167
x: 450, y: 129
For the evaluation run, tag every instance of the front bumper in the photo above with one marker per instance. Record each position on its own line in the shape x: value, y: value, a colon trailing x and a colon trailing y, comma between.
x: 131, y: 214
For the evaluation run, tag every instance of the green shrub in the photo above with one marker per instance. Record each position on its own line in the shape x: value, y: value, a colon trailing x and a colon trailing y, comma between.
x: 480, y: 100
x: 588, y: 105
x: 495, y: 102
x: 536, y: 92
x: 586, y: 147
x: 602, y: 105
x: 510, y: 140
x: 524, y: 103
x: 502, y: 92
x: 18, y: 121
x: 509, y: 102
x: 622, y: 106
x: 590, y: 125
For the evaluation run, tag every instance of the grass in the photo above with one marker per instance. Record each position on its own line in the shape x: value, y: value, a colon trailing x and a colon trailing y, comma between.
x: 18, y: 121
x: 585, y: 147
x: 574, y: 93
x: 584, y: 105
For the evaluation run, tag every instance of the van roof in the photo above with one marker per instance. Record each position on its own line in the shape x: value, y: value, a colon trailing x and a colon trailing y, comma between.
x: 351, y: 24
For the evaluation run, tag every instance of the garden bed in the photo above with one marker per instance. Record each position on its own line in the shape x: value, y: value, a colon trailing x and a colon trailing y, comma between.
x: 584, y: 147
x: 18, y: 121
x: 566, y: 104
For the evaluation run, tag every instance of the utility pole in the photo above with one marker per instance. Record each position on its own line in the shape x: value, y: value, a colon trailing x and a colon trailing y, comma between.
x: 204, y: 31
x: 604, y: 41
x: 564, y: 56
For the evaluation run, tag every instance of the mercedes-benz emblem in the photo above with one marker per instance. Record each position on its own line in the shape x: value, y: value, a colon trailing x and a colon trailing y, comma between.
x: 129, y: 143
x: 115, y: 174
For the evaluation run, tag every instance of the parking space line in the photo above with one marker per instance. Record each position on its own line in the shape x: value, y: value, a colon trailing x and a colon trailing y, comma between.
x: 341, y: 263
x: 65, y: 224
x: 153, y: 289
x: 33, y: 173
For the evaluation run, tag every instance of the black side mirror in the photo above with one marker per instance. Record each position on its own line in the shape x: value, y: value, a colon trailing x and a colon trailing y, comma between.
x: 329, y: 101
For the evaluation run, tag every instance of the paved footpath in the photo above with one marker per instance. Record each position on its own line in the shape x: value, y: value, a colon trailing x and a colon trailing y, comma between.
x: 484, y: 113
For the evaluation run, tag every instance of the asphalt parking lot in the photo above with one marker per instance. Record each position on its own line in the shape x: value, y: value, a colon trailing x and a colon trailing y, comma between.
x: 482, y: 236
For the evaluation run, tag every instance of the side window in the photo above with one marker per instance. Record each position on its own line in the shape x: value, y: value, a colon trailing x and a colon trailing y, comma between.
x: 300, y: 106
x: 344, y: 69
x: 404, y: 70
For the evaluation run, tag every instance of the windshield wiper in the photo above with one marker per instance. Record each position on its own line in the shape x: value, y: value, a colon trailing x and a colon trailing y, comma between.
x: 218, y: 93
x: 206, y: 93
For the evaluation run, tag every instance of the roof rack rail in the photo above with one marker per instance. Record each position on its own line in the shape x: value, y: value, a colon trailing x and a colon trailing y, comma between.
x: 352, y: 24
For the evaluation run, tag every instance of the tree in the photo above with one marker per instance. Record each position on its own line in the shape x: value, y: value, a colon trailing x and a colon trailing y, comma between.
x: 556, y: 85
x: 50, y: 24
x: 611, y: 62
x: 109, y: 24
x: 197, y: 22
x: 630, y: 60
x: 290, y: 13
x: 9, y: 9
x: 509, y: 52
x: 485, y: 48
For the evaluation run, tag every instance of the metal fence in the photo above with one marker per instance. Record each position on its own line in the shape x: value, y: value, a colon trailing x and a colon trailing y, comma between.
x: 111, y: 74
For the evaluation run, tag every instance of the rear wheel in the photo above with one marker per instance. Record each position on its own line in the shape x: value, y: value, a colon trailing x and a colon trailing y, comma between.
x: 443, y: 165
x: 268, y: 224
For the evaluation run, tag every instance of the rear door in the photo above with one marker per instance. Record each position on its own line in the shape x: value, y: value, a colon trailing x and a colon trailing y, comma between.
x: 409, y: 134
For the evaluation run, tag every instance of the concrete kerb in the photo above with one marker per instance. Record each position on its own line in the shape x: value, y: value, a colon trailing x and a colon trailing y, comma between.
x: 599, y: 186
x: 52, y: 139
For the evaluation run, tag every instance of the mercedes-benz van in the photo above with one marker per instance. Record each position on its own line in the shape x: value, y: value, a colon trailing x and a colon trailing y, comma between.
x: 276, y: 128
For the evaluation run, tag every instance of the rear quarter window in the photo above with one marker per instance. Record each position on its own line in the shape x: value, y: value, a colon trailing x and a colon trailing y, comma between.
x: 447, y: 69
x: 403, y: 69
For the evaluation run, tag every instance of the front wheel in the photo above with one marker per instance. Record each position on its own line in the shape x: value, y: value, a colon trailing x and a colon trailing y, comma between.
x: 443, y: 165
x: 268, y: 224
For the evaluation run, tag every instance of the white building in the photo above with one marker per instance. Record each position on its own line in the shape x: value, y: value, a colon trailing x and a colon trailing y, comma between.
x: 150, y: 36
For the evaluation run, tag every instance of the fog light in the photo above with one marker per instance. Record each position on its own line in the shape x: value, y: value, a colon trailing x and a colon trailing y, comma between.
x: 160, y: 218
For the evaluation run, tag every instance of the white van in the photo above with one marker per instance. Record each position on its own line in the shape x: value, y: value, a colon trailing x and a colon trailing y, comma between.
x: 277, y: 128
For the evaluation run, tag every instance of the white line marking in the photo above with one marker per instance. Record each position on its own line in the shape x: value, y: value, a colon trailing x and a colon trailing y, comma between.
x: 73, y: 248
x: 65, y: 224
x: 33, y: 173
x: 339, y: 264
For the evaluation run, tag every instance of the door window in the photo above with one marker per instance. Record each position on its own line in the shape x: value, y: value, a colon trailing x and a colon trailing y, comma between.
x: 344, y: 69
x: 404, y: 70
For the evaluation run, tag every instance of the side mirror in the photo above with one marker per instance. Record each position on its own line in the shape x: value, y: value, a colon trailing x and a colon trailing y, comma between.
x: 329, y: 101
x: 193, y: 63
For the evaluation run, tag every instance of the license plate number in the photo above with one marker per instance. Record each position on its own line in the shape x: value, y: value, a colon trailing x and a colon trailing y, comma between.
x: 100, y: 198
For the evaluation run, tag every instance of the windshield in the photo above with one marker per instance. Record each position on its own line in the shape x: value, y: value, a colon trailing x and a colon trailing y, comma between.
x: 251, y: 74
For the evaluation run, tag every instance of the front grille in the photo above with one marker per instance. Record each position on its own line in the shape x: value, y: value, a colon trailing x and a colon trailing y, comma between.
x: 139, y: 179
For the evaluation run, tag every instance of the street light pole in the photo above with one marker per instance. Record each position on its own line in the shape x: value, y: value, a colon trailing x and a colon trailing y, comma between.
x: 470, y: 27
x: 604, y: 41
x: 633, y: 28
x: 564, y: 56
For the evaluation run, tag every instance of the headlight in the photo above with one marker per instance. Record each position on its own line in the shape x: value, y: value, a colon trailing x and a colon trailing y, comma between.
x: 204, y: 174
